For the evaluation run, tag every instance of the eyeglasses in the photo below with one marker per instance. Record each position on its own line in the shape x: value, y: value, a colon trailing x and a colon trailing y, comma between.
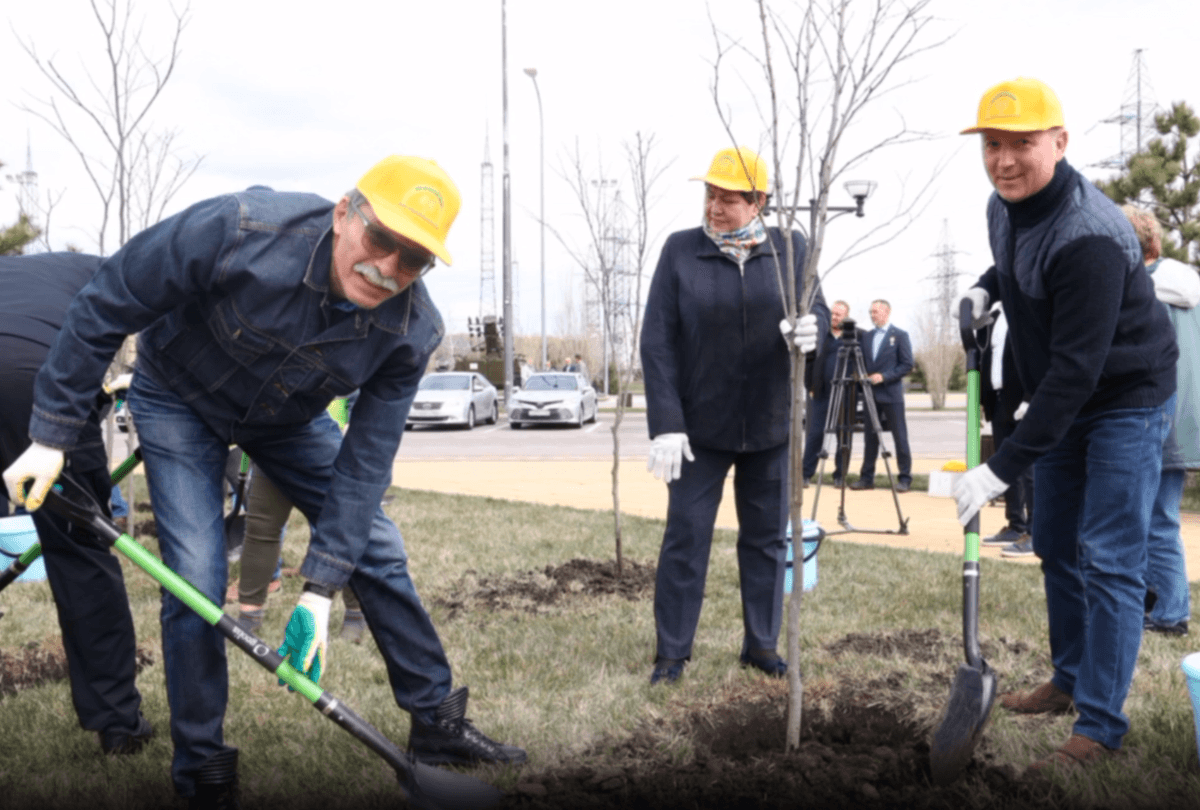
x: 379, y: 243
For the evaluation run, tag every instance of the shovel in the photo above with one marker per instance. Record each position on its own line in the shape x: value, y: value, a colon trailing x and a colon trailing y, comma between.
x: 425, y: 787
x: 30, y: 555
x: 974, y: 688
x: 235, y: 521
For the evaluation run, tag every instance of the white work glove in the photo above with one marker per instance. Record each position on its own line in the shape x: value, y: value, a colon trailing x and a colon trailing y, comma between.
x: 1020, y: 411
x: 118, y: 383
x: 804, y: 335
x: 667, y: 453
x: 979, y: 301
x: 40, y: 463
x: 974, y: 489
x: 306, y: 638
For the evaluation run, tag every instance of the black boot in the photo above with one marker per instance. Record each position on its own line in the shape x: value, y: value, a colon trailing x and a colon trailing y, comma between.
x: 116, y: 741
x: 217, y: 783
x: 453, y: 739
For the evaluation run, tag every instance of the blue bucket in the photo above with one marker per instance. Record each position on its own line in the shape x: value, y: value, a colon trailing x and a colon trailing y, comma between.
x: 811, y: 541
x: 1191, y: 668
x: 17, y: 533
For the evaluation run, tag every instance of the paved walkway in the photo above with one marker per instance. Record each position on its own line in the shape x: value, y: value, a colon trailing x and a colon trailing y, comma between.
x: 932, y: 525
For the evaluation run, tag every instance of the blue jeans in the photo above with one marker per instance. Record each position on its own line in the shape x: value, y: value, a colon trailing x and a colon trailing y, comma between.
x: 119, y: 507
x: 184, y: 461
x: 1166, y: 569
x: 1094, y: 494
x: 760, y: 488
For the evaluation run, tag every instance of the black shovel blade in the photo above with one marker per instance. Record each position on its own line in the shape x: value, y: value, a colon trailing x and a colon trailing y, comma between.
x: 967, y: 711
x: 431, y: 788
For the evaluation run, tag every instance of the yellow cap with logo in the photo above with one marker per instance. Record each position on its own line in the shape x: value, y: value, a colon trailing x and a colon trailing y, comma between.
x: 1021, y: 105
x: 738, y: 169
x: 415, y: 198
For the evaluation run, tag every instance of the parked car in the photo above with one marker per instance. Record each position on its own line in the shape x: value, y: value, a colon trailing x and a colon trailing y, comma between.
x: 454, y: 398
x: 121, y: 416
x: 553, y: 398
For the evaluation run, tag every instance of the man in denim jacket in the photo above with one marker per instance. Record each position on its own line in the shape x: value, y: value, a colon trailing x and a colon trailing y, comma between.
x: 255, y: 310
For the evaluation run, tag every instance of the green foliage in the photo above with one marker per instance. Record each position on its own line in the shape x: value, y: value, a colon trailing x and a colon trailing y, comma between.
x: 1162, y: 179
x: 14, y: 238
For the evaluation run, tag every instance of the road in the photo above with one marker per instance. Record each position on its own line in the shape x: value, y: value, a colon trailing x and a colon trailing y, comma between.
x: 932, y: 434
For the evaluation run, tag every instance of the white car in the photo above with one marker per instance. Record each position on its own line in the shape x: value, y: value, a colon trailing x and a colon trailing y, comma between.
x: 553, y: 398
x: 460, y: 398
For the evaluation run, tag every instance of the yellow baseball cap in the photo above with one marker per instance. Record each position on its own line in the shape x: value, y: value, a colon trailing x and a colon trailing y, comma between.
x: 1020, y: 105
x: 415, y: 198
x: 738, y: 169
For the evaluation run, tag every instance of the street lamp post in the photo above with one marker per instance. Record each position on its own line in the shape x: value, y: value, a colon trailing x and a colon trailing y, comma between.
x: 507, y: 218
x: 532, y: 74
x: 858, y: 189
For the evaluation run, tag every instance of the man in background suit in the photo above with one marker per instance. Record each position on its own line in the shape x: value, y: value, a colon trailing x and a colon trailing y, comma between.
x: 887, y: 354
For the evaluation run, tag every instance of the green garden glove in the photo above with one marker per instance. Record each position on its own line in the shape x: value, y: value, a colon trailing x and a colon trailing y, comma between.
x: 307, y: 636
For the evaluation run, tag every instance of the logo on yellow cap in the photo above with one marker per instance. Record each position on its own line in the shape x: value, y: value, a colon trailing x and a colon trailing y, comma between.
x: 425, y: 202
x: 1003, y: 105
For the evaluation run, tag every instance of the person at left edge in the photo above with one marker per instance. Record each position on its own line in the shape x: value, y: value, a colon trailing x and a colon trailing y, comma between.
x: 85, y: 578
x: 718, y: 395
x: 255, y: 310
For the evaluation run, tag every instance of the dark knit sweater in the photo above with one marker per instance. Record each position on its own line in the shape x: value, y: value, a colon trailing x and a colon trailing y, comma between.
x: 1087, y: 333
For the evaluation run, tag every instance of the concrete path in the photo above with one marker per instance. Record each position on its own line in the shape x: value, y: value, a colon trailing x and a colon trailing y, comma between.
x: 932, y: 524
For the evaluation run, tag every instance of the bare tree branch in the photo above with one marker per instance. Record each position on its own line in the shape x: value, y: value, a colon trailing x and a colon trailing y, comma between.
x: 140, y: 171
x: 613, y: 261
x: 840, y: 60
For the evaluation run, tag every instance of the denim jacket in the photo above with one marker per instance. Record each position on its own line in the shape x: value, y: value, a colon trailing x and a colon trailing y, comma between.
x: 232, y: 300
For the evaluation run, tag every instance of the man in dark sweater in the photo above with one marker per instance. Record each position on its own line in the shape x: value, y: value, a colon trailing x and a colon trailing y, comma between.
x: 1095, y: 354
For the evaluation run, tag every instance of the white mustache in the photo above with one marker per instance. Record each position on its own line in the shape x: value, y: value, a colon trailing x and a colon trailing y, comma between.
x: 371, y: 273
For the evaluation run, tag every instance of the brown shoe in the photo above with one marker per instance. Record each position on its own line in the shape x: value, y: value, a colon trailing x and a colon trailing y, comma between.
x: 1045, y: 699
x: 1078, y: 751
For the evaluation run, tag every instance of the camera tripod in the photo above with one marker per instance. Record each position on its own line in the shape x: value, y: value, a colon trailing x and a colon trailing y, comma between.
x: 841, y: 422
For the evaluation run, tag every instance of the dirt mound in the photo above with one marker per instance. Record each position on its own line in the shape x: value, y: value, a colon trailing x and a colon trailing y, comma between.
x: 554, y: 586
x: 42, y: 662
x: 853, y: 753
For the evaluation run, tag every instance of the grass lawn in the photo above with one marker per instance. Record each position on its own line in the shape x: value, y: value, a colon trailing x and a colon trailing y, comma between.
x: 567, y: 678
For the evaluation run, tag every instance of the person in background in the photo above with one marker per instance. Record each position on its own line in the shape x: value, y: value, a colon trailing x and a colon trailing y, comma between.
x: 579, y: 367
x: 85, y: 577
x: 718, y: 395
x: 1177, y: 286
x: 1095, y: 353
x: 255, y: 310
x: 267, y: 512
x: 888, y: 356
x: 1003, y: 404
x: 819, y: 384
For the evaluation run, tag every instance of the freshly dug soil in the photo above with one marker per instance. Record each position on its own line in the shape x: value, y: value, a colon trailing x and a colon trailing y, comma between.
x: 856, y: 750
x: 858, y: 754
x: 551, y: 587
x: 42, y: 662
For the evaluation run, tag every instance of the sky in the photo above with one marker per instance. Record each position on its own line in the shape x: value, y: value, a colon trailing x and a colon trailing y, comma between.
x: 308, y: 98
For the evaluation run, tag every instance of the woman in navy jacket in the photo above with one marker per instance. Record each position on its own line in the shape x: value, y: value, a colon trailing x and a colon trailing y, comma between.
x: 718, y: 394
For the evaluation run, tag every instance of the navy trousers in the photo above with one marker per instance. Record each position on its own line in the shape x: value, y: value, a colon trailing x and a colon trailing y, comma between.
x: 760, y: 489
x: 892, y: 415
x: 85, y: 576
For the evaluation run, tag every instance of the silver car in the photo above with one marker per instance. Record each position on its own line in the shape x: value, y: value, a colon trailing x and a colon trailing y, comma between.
x: 554, y: 398
x: 459, y: 398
